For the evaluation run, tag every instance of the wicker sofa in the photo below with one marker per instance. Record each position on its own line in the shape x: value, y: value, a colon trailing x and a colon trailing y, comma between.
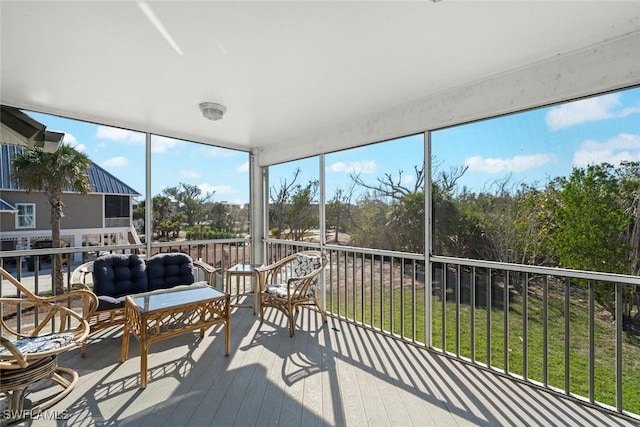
x: 112, y: 277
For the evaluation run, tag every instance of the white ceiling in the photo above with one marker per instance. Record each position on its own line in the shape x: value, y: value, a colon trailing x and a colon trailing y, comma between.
x: 283, y: 69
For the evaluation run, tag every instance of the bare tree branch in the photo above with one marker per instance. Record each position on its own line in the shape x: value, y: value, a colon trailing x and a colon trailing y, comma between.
x: 391, y: 187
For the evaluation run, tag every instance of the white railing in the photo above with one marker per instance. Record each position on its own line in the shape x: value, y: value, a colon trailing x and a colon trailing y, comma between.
x: 34, y: 266
x: 544, y: 326
x: 547, y: 327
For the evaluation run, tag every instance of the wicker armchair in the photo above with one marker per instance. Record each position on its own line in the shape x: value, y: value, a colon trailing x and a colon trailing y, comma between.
x: 34, y: 331
x: 290, y: 283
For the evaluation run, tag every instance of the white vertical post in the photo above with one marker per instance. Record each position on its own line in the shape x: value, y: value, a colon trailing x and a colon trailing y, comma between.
x: 148, y: 214
x: 323, y: 231
x: 428, y: 220
x: 258, y: 203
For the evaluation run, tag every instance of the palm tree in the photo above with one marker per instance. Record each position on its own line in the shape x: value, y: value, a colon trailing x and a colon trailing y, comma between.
x: 64, y: 169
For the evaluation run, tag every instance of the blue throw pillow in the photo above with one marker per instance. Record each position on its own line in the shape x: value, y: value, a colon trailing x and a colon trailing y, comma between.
x: 169, y: 269
x: 116, y: 275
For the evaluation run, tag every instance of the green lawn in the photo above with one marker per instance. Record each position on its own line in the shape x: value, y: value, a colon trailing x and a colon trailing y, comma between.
x: 375, y: 309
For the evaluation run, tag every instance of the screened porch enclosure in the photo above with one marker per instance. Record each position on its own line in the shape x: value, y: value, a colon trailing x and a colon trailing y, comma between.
x: 363, y: 131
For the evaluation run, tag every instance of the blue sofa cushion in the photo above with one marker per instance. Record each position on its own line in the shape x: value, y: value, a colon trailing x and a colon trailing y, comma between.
x: 168, y: 270
x: 106, y: 302
x: 117, y: 275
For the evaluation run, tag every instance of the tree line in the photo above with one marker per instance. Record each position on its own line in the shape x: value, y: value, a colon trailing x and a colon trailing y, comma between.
x: 589, y: 220
x: 184, y: 210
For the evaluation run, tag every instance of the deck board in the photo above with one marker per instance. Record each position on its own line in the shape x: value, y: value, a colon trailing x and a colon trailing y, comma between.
x: 333, y: 374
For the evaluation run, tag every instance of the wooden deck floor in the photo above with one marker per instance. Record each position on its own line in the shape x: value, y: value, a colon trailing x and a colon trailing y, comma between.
x: 332, y: 374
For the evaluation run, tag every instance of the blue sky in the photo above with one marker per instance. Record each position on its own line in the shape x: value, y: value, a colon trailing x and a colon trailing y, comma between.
x: 530, y: 147
x: 121, y: 152
x: 542, y: 144
x: 369, y: 162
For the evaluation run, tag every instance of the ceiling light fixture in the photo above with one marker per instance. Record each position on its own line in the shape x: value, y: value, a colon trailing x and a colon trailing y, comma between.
x: 212, y: 111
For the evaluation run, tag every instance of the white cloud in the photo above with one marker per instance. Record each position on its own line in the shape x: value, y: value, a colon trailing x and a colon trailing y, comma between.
x: 115, y: 162
x: 408, y: 179
x: 587, y: 110
x: 160, y: 144
x: 70, y: 140
x: 366, y: 167
x: 189, y: 173
x: 116, y: 134
x: 243, y: 168
x: 628, y: 111
x: 209, y: 151
x: 218, y: 189
x: 615, y: 150
x: 513, y: 164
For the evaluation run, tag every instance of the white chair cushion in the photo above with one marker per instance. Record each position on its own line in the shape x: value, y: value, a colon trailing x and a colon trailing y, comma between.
x: 31, y: 345
x: 301, y: 266
x: 279, y: 290
x: 305, y: 264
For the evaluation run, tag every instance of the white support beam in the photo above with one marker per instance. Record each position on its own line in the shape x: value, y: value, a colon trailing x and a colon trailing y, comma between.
x: 259, y: 213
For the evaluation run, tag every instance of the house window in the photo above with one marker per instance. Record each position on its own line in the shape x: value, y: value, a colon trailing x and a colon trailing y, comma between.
x: 116, y: 206
x: 26, y: 217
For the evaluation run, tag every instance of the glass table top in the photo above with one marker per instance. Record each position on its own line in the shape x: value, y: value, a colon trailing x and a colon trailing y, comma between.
x: 175, y: 297
x: 244, y: 268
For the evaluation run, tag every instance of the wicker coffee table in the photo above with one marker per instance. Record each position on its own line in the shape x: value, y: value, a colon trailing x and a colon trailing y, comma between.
x: 159, y: 315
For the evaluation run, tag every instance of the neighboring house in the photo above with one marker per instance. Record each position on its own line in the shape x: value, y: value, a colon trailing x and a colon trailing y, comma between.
x: 104, y: 216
